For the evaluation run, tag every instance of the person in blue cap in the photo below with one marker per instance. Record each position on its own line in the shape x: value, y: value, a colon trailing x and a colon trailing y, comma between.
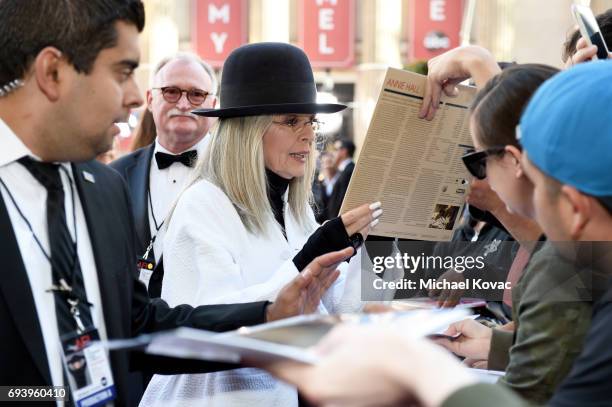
x: 550, y: 318
x: 567, y: 136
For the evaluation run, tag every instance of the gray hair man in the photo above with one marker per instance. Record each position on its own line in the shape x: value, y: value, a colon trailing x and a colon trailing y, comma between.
x: 155, y: 174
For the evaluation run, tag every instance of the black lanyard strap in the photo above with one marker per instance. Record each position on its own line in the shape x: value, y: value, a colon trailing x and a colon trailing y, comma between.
x: 153, y: 215
x: 157, y: 227
x: 66, y: 293
x: 29, y: 225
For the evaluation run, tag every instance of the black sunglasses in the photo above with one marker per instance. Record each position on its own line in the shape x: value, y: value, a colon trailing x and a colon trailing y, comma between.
x: 476, y: 161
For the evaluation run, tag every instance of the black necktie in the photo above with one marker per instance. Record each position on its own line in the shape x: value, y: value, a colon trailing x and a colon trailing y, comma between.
x: 188, y: 158
x: 64, y: 261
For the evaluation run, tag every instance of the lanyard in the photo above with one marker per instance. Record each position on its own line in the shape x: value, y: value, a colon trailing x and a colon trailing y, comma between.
x: 153, y: 213
x: 157, y: 227
x: 27, y: 222
x: 61, y: 286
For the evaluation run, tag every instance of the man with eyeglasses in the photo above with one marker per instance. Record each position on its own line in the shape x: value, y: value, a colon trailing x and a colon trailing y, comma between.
x: 157, y: 173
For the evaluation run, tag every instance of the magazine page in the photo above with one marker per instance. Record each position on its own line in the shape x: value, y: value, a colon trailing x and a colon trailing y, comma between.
x: 411, y: 165
x: 289, y: 339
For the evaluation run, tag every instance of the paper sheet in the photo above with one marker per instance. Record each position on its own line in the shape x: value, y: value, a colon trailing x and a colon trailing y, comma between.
x: 289, y: 339
x: 413, y: 166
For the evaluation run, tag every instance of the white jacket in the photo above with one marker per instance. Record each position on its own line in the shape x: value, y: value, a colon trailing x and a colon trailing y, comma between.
x: 211, y: 258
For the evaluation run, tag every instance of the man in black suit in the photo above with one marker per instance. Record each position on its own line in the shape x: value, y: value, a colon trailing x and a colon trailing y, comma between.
x: 66, y: 224
x: 327, y: 171
x: 344, y: 150
x: 156, y: 174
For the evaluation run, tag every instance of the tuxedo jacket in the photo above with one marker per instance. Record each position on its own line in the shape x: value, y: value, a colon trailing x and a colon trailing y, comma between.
x: 135, y: 168
x: 334, y: 201
x: 127, y: 308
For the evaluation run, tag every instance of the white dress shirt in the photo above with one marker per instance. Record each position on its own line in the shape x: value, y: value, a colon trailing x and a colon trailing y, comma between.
x: 329, y: 183
x: 166, y: 185
x: 344, y: 163
x: 31, y: 197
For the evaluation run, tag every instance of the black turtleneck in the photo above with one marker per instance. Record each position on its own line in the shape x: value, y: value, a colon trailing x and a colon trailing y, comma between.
x: 277, y: 186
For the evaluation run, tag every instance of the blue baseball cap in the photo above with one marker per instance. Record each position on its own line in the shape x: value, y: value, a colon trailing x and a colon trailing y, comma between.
x: 566, y: 129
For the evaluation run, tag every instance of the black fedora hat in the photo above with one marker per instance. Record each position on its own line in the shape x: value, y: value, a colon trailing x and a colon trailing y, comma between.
x: 268, y: 78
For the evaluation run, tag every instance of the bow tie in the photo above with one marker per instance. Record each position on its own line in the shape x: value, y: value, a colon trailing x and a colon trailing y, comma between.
x: 188, y: 158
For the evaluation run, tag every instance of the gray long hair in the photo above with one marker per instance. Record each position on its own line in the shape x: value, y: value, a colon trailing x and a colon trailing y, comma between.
x: 234, y: 162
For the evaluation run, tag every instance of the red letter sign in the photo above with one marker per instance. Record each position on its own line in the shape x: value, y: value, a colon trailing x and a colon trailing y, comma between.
x: 435, y: 27
x: 327, y: 32
x: 220, y: 27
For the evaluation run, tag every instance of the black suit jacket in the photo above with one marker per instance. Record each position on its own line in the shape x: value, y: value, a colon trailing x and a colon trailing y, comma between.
x: 334, y: 201
x: 128, y: 311
x: 134, y: 168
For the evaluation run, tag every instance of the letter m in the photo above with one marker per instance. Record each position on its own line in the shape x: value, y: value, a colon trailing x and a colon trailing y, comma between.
x: 215, y: 13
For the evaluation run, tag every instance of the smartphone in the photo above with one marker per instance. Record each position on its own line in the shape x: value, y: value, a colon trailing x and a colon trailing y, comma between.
x: 590, y: 30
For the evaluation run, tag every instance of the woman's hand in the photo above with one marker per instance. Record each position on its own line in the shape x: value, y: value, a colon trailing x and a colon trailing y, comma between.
x: 446, y: 71
x: 484, y: 198
x: 362, y: 219
x: 335, y: 234
x: 584, y: 53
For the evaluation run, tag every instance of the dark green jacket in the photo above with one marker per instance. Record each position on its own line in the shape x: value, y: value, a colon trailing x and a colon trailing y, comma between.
x: 484, y: 395
x: 587, y: 385
x: 552, y: 313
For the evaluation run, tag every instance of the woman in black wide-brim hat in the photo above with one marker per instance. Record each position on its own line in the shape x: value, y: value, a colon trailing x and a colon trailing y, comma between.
x: 244, y: 228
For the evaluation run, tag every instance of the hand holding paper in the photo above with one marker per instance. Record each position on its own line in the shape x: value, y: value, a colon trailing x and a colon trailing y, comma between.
x: 446, y: 71
x: 473, y: 339
x: 362, y: 219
